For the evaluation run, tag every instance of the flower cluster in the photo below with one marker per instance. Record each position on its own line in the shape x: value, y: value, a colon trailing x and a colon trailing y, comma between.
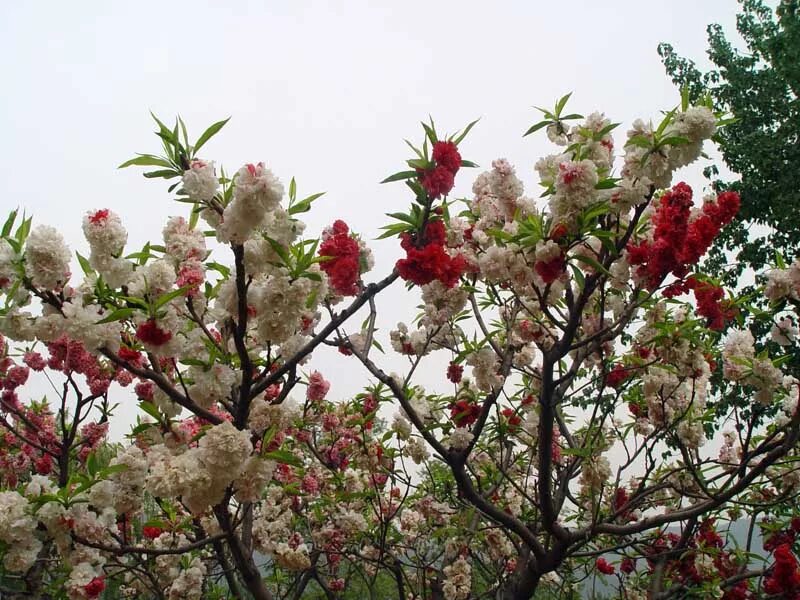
x: 438, y: 180
x: 679, y: 241
x: 345, y: 259
x: 427, y: 258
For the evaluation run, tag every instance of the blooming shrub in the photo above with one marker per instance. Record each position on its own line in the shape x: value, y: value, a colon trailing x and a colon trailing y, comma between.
x: 565, y: 435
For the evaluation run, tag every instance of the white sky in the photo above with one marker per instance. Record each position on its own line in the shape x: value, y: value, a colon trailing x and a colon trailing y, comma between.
x: 324, y: 91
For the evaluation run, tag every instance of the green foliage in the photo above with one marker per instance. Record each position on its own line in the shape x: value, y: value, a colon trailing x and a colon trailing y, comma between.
x: 759, y: 86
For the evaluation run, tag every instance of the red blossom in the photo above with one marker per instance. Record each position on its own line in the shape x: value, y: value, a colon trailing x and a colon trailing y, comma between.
x: 784, y: 578
x: 678, y: 242
x: 455, y: 372
x: 627, y: 566
x: 342, y: 265
x: 437, y: 181
x: 423, y: 265
x: 617, y: 376
x: 150, y: 333
x: 446, y: 155
x: 151, y: 532
x: 95, y: 587
x: 464, y: 413
x: 550, y: 270
x: 99, y: 216
x: 602, y: 565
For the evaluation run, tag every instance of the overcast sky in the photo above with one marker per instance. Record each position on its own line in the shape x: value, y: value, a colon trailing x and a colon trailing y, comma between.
x: 323, y: 91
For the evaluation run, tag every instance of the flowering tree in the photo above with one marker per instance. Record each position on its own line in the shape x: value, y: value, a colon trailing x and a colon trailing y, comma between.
x: 576, y: 445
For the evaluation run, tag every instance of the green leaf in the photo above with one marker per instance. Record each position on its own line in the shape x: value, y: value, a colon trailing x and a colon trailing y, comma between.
x: 146, y: 160
x: 84, y: 263
x: 283, y: 456
x: 162, y: 173
x: 9, y: 224
x: 468, y: 164
x: 280, y: 251
x: 208, y: 134
x: 219, y: 268
x: 111, y: 469
x: 536, y: 127
x: 674, y: 140
x: 400, y: 176
x: 592, y: 263
x: 684, y: 98
x: 606, y: 184
x: 562, y: 103
x: 305, y: 204
x: 292, y: 190
x: 169, y: 296
x: 464, y: 133
x: 117, y: 315
x: 151, y: 409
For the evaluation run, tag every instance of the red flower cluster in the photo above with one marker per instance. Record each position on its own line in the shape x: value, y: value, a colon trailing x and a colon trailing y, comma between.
x: 710, y: 303
x: 784, y: 578
x: 551, y: 270
x: 99, y: 216
x: 343, y: 267
x: 617, y: 376
x: 602, y: 565
x: 677, y: 242
x: 684, y: 569
x: 439, y: 180
x: 464, y: 413
x: 455, y: 372
x: 150, y: 333
x: 95, y: 587
x: 151, y: 532
x: 426, y: 259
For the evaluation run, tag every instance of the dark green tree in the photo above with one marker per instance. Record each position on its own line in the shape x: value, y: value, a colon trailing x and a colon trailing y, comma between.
x: 759, y: 86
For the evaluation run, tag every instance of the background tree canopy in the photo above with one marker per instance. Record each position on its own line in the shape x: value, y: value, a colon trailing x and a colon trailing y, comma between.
x: 759, y: 87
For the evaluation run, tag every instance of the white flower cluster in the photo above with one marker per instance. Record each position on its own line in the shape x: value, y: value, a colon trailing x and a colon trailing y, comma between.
x: 458, y: 580
x: 257, y: 193
x: 595, y: 473
x: 17, y: 530
x: 485, y: 369
x: 8, y: 271
x: 740, y: 364
x: 693, y: 126
x: 784, y: 283
x: 279, y: 303
x: 107, y: 237
x: 459, y: 439
x: 200, y: 475
x: 47, y: 258
x: 200, y: 181
x: 784, y: 332
x: 210, y: 385
x: 272, y: 531
x: 189, y: 583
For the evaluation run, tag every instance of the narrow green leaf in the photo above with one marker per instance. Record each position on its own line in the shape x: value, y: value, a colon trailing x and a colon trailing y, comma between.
x: 9, y: 224
x: 162, y: 173
x: 400, y: 176
x: 536, y: 127
x: 84, y: 263
x: 283, y: 456
x: 146, y: 160
x: 562, y: 103
x: 117, y: 315
x: 208, y: 134
x: 169, y: 296
x: 464, y: 133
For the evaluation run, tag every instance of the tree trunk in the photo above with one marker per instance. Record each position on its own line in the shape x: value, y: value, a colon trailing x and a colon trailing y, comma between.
x: 242, y: 558
x: 522, y: 585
